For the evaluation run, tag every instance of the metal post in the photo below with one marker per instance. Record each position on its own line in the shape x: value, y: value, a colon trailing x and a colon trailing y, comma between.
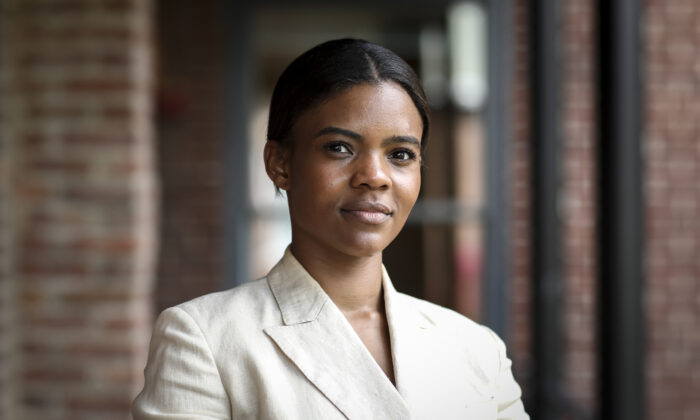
x: 620, y: 204
x: 546, y: 236
x: 237, y: 212
x: 495, y: 286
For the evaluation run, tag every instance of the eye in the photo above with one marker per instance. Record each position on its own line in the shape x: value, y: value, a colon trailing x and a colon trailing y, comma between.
x: 337, y: 147
x: 402, y: 155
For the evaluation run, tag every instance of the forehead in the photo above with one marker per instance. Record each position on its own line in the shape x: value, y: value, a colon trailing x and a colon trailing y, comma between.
x: 366, y: 108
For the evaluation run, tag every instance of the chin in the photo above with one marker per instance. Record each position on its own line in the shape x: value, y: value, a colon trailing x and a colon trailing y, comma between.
x: 363, y: 247
x: 363, y: 252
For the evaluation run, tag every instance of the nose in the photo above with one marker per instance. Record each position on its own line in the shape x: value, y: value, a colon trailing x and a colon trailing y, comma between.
x: 370, y: 171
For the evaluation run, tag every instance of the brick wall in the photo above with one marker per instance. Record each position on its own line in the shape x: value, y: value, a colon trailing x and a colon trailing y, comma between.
x: 578, y: 201
x: 672, y: 196
x: 81, y: 222
x: 7, y: 336
x: 672, y: 189
x: 191, y: 120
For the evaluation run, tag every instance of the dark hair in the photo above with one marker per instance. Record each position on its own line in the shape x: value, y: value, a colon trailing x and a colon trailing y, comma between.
x: 332, y: 67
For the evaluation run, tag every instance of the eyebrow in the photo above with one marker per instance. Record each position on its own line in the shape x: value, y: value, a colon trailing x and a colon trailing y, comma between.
x: 357, y: 136
x: 341, y: 131
x: 401, y: 139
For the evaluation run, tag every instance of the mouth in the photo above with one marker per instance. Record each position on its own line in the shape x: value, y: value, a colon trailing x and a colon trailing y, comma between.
x: 372, y: 213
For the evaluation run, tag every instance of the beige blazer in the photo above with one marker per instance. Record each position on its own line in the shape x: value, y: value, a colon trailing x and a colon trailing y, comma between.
x: 278, y: 348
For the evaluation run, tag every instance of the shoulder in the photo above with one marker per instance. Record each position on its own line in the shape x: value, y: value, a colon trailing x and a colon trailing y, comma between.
x: 245, y: 307
x: 234, y: 301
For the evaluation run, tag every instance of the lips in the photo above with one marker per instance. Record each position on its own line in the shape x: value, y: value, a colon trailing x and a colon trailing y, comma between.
x: 372, y: 213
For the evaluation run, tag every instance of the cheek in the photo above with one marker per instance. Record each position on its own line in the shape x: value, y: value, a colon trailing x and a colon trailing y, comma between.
x: 307, y: 165
x: 409, y: 185
x: 317, y: 185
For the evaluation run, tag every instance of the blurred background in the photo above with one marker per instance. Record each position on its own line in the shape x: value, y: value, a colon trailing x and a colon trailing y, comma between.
x: 559, y: 206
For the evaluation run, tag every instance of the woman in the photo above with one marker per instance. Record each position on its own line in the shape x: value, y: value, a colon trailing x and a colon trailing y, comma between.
x: 324, y: 335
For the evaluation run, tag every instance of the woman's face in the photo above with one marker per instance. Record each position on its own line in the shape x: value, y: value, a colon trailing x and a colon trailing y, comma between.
x: 354, y: 170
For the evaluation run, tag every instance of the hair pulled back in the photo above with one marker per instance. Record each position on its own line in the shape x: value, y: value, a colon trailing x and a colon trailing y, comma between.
x: 333, y: 67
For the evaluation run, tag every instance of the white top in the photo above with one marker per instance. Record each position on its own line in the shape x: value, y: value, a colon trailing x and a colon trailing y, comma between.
x: 279, y: 348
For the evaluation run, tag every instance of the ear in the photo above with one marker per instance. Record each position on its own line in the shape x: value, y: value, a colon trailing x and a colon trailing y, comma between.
x: 276, y: 157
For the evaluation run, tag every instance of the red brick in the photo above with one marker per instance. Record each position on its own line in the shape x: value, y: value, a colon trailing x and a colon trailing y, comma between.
x: 106, y: 350
x: 97, y: 86
x: 96, y: 138
x: 53, y: 7
x: 53, y: 375
x: 100, y: 404
x: 113, y: 245
x: 58, y: 165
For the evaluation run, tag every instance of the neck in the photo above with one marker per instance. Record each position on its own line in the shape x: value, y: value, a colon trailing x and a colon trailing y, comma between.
x: 353, y: 283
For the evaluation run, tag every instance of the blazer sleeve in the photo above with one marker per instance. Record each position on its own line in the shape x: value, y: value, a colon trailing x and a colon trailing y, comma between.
x: 182, y: 380
x: 508, y: 393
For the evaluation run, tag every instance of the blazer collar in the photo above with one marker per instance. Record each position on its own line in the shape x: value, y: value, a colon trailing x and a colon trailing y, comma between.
x: 320, y: 341
x: 299, y: 297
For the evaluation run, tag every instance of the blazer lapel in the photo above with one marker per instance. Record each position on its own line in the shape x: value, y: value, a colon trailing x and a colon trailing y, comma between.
x: 318, y: 339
